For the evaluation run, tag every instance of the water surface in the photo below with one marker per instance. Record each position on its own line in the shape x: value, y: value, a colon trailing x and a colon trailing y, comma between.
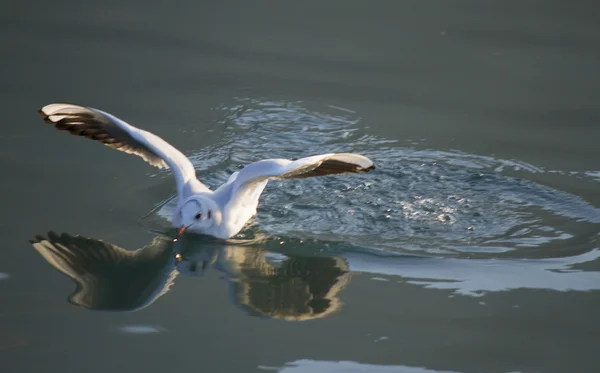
x: 473, y: 247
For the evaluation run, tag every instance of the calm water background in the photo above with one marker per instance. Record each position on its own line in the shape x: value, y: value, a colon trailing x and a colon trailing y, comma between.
x: 473, y: 247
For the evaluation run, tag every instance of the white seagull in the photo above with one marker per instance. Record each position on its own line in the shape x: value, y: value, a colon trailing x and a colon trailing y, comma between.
x: 221, y: 213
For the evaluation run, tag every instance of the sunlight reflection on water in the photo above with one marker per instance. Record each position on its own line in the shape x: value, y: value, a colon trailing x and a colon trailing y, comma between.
x: 306, y: 365
x: 141, y: 329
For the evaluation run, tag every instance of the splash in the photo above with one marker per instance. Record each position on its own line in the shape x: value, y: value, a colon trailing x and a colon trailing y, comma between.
x: 422, y: 201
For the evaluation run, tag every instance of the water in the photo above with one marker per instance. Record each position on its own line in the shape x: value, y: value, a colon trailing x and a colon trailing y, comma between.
x: 473, y: 247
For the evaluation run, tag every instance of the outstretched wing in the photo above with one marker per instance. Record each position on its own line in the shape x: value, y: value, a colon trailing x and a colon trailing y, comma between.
x: 107, y: 276
x: 244, y: 185
x: 317, y: 165
x: 113, y: 132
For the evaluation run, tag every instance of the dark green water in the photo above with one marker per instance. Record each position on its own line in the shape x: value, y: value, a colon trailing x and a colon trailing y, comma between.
x: 473, y: 247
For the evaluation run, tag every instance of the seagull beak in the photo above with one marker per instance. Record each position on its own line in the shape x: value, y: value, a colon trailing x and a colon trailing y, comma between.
x: 180, y: 231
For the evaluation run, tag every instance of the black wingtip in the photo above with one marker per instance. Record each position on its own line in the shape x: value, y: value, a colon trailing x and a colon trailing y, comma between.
x: 43, y: 114
x: 40, y: 237
x: 359, y: 169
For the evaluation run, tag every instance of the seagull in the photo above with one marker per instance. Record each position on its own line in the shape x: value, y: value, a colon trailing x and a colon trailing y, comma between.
x: 219, y: 213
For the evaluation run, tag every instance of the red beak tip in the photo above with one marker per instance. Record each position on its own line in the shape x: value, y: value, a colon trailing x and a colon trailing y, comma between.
x: 181, y: 230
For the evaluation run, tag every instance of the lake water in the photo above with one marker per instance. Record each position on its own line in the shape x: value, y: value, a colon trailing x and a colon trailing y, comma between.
x: 473, y: 247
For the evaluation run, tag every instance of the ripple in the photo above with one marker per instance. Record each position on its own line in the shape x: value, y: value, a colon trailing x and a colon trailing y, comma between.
x: 477, y: 277
x: 422, y: 201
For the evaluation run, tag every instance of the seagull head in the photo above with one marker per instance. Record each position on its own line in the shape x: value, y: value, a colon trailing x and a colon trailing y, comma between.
x: 197, y: 213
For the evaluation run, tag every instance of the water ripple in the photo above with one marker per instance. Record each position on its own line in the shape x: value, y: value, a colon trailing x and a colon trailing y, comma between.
x: 422, y: 201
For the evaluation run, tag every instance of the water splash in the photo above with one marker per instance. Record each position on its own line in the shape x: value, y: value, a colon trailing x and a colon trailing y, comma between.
x: 420, y: 201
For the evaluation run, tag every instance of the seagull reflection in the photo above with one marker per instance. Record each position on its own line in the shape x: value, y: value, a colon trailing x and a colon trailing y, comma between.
x: 107, y: 276
x: 287, y: 288
x: 262, y: 283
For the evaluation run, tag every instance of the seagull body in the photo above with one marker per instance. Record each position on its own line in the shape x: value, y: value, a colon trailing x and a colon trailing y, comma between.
x: 221, y: 213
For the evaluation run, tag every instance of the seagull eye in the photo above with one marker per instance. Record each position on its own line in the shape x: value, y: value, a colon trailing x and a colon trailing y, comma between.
x: 208, y: 215
x: 198, y: 216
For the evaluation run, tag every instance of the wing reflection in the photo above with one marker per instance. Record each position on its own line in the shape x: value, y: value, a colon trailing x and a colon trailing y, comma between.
x: 262, y: 283
x: 107, y: 276
x: 287, y: 288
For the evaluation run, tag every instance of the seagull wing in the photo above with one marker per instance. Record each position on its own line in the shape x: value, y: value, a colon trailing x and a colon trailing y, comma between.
x: 317, y: 165
x: 242, y: 184
x: 107, y: 276
x: 113, y: 132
